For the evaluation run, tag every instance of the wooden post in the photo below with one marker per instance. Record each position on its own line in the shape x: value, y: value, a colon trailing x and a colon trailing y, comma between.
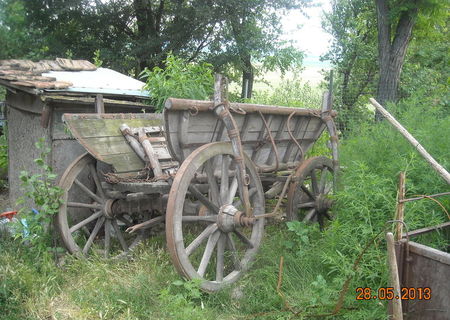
x: 400, y: 205
x: 434, y: 164
x: 99, y: 105
x: 394, y: 278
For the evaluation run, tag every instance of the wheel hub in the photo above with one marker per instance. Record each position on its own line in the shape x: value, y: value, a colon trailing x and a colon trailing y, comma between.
x: 229, y: 218
x: 108, y: 209
x: 323, y: 204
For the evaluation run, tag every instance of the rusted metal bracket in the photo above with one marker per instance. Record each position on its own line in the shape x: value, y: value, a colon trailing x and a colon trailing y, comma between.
x: 222, y: 110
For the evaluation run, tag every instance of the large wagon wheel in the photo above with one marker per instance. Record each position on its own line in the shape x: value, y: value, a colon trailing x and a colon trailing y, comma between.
x: 309, y: 193
x: 86, y: 220
x: 219, y: 243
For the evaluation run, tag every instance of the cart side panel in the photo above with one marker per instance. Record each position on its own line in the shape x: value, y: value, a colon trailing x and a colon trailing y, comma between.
x: 187, y: 130
x: 100, y: 135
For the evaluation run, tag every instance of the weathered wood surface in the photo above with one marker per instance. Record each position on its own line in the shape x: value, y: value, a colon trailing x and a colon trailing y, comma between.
x: 425, y: 267
x: 394, y: 278
x: 101, y: 136
x: 400, y: 210
x: 188, y: 129
x: 424, y: 153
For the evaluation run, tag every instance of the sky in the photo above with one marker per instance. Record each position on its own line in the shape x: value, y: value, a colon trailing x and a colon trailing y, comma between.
x: 310, y: 38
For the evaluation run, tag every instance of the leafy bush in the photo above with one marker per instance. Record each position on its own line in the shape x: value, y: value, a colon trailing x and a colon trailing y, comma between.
x: 41, y: 189
x: 3, y: 157
x: 179, y: 79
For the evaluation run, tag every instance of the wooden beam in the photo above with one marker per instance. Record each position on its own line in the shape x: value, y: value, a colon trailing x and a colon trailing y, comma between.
x: 99, y: 104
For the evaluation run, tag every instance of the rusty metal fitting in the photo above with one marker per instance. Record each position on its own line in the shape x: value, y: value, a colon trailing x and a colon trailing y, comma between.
x: 242, y: 220
x: 246, y: 179
x: 237, y: 110
x: 108, y: 208
x: 225, y: 113
x: 193, y: 111
x: 233, y: 133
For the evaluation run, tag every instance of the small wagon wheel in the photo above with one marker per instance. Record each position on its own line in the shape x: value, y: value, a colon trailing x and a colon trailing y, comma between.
x: 86, y: 220
x: 310, y: 190
x: 219, y: 243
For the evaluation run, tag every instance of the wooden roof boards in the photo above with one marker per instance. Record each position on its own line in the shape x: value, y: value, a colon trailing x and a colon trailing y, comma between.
x: 26, y: 73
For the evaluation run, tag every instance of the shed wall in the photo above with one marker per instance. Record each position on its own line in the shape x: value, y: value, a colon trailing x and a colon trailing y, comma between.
x: 25, y: 128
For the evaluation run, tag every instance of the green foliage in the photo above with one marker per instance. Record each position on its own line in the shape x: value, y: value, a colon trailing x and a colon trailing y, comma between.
x: 3, y: 154
x: 290, y: 93
x: 40, y: 188
x: 179, y: 79
x: 97, y: 59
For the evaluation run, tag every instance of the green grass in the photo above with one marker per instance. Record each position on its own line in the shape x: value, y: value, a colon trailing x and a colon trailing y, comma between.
x: 316, y: 264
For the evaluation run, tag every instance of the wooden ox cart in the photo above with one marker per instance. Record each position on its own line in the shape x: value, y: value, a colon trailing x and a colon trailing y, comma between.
x: 203, y: 168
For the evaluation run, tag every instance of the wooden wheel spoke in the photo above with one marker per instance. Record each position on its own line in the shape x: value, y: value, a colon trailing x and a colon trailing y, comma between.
x: 243, y: 238
x: 233, y: 190
x: 212, y: 182
x: 210, y: 219
x: 220, y: 257
x: 125, y: 221
x: 119, y: 235
x: 314, y: 183
x: 328, y: 189
x: 306, y: 205
x: 107, y: 237
x: 96, y: 179
x: 84, y: 205
x: 210, y: 245
x: 323, y: 180
x: 88, y: 192
x: 310, y: 215
x: 224, y: 178
x: 201, y: 237
x: 94, y: 233
x: 232, y: 248
x: 309, y: 193
x: 200, y: 197
x: 85, y: 221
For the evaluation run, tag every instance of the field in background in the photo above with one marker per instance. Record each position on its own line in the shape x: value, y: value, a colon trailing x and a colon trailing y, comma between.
x: 312, y: 73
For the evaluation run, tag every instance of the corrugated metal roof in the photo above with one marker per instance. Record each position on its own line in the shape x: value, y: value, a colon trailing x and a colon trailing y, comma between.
x: 102, y: 80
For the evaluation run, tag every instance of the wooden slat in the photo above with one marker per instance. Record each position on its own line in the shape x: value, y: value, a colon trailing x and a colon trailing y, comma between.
x: 101, y: 137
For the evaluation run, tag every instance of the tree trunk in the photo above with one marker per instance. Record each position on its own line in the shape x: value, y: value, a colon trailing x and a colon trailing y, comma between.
x: 247, y: 78
x: 148, y: 21
x: 391, y: 54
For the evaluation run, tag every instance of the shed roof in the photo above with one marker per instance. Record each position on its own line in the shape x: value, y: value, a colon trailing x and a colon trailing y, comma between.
x: 65, y: 75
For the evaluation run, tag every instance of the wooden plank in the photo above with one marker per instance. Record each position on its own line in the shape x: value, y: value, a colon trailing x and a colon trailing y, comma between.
x: 279, y: 133
x: 123, y: 162
x: 101, y: 136
x: 87, y: 128
x: 291, y: 144
x: 261, y: 135
x: 394, y: 278
x: 104, y: 146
